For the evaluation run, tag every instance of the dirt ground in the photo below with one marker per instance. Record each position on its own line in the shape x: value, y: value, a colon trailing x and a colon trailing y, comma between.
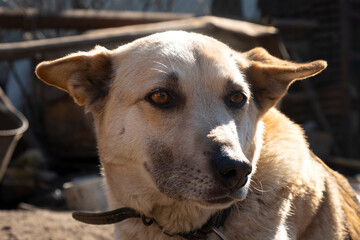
x: 39, y: 224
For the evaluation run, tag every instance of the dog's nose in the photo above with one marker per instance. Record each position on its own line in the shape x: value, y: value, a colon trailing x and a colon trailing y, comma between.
x: 233, y: 173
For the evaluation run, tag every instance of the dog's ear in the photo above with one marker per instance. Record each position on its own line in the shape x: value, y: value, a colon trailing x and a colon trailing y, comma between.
x: 84, y: 75
x: 271, y: 77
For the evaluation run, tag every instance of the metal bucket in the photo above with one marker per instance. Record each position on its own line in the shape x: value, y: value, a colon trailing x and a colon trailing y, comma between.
x: 12, y: 125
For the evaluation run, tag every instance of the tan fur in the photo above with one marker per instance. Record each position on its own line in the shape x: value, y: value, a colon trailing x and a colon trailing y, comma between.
x: 159, y: 161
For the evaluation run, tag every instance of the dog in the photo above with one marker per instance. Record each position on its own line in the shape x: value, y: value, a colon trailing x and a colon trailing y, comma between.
x: 190, y: 142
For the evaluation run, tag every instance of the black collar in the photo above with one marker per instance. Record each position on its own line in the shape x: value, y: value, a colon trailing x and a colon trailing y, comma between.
x: 212, y: 225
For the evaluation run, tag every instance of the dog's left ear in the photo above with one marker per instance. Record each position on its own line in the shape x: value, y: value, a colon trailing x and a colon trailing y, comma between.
x: 270, y: 77
x: 84, y: 75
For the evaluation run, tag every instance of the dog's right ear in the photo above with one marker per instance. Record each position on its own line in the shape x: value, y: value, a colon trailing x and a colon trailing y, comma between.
x: 270, y: 77
x: 84, y: 75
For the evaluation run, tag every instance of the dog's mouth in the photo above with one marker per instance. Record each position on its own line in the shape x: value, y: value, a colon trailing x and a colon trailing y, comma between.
x: 223, y: 200
x: 214, y: 195
x: 217, y: 198
x: 226, y: 199
x: 195, y: 185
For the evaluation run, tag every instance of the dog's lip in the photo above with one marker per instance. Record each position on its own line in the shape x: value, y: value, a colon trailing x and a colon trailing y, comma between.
x: 222, y: 200
x: 241, y: 193
x: 238, y: 195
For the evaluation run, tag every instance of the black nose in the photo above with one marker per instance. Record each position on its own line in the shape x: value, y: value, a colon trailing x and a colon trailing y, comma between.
x: 233, y: 173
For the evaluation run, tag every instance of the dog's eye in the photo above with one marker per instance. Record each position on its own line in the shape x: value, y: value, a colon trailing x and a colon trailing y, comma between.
x: 236, y: 100
x: 160, y: 98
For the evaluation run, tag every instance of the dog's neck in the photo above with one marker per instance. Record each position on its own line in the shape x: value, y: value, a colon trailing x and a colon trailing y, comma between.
x: 118, y: 215
x: 167, y: 215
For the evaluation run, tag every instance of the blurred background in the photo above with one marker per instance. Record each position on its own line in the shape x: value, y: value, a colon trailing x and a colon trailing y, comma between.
x: 48, y: 156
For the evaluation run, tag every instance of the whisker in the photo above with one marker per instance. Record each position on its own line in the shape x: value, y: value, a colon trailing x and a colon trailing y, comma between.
x: 252, y: 182
x: 172, y: 67
x: 159, y: 70
x: 161, y: 64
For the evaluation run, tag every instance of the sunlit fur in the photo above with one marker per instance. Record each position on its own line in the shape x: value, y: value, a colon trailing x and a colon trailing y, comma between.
x: 157, y: 160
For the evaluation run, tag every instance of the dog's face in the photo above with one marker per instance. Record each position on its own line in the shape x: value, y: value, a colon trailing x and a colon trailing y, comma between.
x: 178, y: 115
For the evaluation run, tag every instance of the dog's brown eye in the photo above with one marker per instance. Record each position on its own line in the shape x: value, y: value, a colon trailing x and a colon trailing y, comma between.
x: 236, y: 100
x: 160, y: 98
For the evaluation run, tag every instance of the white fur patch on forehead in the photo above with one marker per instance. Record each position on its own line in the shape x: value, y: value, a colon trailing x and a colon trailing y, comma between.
x: 177, y: 45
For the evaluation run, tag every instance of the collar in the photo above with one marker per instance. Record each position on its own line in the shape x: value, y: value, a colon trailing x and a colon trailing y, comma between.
x: 212, y: 225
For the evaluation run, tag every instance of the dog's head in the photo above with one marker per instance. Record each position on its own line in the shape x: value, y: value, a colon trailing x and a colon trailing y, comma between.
x: 177, y: 113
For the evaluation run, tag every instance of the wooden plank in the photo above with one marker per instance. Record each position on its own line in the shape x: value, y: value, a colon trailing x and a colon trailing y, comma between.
x: 31, y: 18
x: 289, y: 25
x: 346, y: 162
x: 115, y: 36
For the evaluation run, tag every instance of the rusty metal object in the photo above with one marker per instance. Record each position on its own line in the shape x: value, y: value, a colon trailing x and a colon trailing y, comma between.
x: 12, y: 125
